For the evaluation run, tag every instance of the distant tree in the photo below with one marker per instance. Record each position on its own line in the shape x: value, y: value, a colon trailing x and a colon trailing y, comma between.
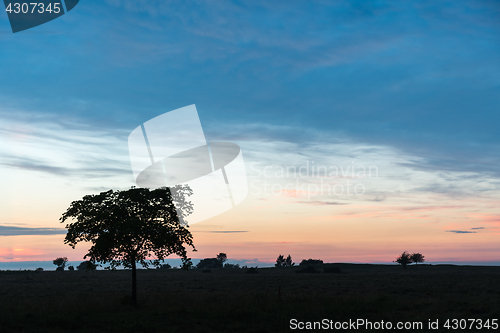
x: 86, y: 266
x: 71, y: 268
x: 417, y: 257
x: 288, y: 261
x: 222, y: 257
x: 39, y: 269
x: 233, y: 266
x: 217, y: 262
x: 126, y: 227
x: 60, y: 263
x: 404, y: 259
x: 187, y: 264
x: 280, y: 261
x: 164, y: 266
x: 305, y: 262
x: 209, y: 263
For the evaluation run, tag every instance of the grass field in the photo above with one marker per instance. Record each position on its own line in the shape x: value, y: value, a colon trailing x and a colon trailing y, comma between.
x: 230, y: 300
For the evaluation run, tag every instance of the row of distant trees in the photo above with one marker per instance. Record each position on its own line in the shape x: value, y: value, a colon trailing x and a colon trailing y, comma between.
x: 407, y: 258
x: 220, y: 261
x: 83, y: 266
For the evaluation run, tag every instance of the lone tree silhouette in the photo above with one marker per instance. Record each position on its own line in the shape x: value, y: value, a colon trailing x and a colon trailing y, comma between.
x: 280, y: 261
x: 404, y: 259
x: 221, y: 257
x: 417, y: 257
x: 126, y: 227
x: 60, y: 263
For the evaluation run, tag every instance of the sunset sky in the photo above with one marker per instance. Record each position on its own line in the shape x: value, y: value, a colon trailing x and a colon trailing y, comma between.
x: 389, y: 109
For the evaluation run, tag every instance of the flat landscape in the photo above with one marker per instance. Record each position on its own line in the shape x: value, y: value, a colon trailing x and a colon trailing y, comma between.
x: 232, y: 300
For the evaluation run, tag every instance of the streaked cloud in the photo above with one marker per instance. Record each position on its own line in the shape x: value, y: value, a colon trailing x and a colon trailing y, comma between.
x: 20, y: 231
x: 461, y: 231
x: 323, y: 203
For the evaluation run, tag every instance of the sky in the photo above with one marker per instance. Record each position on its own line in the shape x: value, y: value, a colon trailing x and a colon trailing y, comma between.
x: 387, y: 111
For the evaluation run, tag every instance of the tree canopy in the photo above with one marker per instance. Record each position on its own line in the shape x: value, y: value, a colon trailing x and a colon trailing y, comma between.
x: 217, y: 262
x: 404, y: 259
x: 125, y: 227
x: 282, y: 262
x: 417, y: 257
x: 60, y: 262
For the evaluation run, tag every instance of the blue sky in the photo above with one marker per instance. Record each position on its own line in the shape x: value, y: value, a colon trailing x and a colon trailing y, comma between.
x: 402, y: 73
x: 416, y: 81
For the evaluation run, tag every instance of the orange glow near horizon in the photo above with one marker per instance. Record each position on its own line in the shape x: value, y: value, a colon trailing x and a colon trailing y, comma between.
x: 364, y: 233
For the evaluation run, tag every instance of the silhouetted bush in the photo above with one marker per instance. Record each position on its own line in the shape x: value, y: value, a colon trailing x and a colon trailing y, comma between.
x: 59, y: 269
x: 86, y: 266
x: 60, y: 262
x: 213, y: 262
x: 232, y: 266
x: 39, y: 269
x: 71, y: 268
x: 209, y: 263
x: 331, y: 269
x: 311, y: 262
x: 164, y: 266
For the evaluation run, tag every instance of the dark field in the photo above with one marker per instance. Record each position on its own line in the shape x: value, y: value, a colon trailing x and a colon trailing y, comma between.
x: 229, y: 300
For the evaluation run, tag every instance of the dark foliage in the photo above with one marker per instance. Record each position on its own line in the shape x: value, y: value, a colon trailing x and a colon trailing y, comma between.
x: 217, y: 262
x: 60, y: 262
x: 126, y: 227
x: 222, y: 257
x: 86, y: 266
x: 282, y: 262
x: 417, y: 257
x: 404, y: 259
x: 209, y: 263
x: 311, y: 262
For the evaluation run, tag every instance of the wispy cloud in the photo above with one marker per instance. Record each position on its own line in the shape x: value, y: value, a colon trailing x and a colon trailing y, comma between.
x: 461, y: 231
x: 18, y: 231
x: 324, y: 203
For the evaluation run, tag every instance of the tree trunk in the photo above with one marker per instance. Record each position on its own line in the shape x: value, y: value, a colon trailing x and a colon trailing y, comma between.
x: 134, y: 283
